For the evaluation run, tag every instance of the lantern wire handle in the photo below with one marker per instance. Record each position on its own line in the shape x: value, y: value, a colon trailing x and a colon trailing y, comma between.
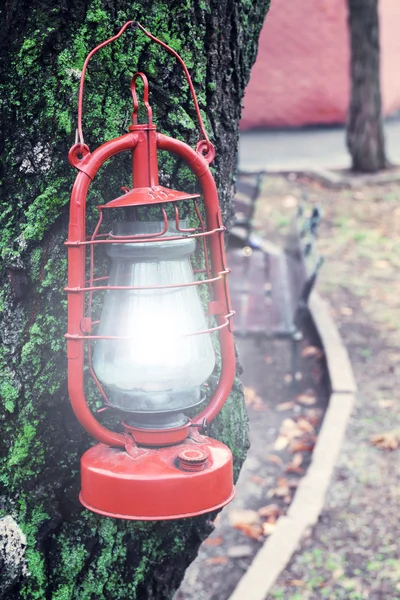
x: 204, y: 146
x: 208, y: 147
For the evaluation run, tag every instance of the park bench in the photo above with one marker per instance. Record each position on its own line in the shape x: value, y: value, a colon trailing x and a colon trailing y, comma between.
x: 270, y: 286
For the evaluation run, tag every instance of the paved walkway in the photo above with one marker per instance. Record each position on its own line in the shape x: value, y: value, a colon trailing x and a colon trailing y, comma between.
x: 308, y: 148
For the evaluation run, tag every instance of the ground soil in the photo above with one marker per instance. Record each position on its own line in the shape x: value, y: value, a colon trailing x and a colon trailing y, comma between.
x: 352, y: 553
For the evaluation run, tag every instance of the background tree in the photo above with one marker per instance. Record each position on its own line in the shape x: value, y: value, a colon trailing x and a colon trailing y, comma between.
x: 365, y: 137
x: 49, y: 546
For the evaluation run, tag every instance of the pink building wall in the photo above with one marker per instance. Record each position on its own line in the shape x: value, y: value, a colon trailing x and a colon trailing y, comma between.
x: 301, y: 76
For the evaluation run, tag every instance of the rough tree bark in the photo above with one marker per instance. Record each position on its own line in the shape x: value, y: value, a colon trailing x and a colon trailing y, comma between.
x: 365, y: 138
x: 50, y: 548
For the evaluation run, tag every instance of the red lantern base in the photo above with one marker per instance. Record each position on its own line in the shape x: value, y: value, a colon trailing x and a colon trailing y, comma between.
x: 147, y: 484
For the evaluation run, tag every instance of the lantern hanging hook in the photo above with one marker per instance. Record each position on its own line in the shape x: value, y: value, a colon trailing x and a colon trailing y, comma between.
x: 145, y: 98
x: 204, y: 147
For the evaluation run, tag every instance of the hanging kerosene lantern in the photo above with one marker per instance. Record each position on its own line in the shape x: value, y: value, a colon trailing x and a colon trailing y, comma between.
x: 152, y: 346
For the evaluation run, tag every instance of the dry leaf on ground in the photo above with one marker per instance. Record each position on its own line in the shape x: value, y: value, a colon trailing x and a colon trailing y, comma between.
x: 295, y: 582
x: 311, y: 351
x: 274, y: 458
x: 285, y: 405
x: 217, y: 541
x: 242, y: 515
x: 303, y: 446
x: 268, y: 528
x: 289, y: 431
x: 389, y: 440
x: 252, y: 399
x: 305, y: 425
x: 294, y: 465
x: 307, y: 399
x: 255, y: 532
x: 247, y: 521
x: 313, y: 416
x: 258, y: 480
x: 281, y: 442
x: 281, y: 491
x: 270, y: 511
x: 217, y: 560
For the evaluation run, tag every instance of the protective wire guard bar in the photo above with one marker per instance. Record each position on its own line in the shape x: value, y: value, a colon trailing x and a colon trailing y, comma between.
x: 116, y: 337
x: 147, y: 238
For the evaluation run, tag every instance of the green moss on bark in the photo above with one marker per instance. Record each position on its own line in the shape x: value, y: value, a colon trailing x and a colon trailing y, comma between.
x: 70, y: 553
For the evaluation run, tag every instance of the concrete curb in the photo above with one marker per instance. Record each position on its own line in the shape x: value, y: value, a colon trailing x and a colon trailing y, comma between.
x: 309, y: 499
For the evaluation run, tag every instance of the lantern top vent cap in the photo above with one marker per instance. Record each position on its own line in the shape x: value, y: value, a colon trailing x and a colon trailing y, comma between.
x: 148, y: 195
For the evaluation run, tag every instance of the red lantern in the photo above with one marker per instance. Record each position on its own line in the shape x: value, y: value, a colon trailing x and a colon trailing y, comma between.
x: 153, y: 347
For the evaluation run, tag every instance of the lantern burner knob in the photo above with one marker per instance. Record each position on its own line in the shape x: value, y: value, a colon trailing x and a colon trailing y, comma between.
x: 190, y: 458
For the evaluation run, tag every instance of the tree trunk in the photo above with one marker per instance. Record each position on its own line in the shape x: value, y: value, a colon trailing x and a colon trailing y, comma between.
x: 50, y: 547
x: 365, y: 137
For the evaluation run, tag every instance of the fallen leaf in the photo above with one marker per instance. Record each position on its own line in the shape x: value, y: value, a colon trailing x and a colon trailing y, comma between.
x: 242, y: 516
x: 254, y: 532
x: 305, y: 425
x: 294, y: 465
x: 313, y: 417
x: 288, y: 378
x: 281, y: 490
x: 258, y: 480
x: 297, y: 459
x: 307, y: 399
x: 270, y: 511
x: 288, y: 431
x: 213, y: 541
x: 386, y: 441
x: 268, y: 359
x: 281, y: 442
x: 217, y: 560
x: 240, y: 551
x: 268, y: 528
x: 251, y: 398
x: 346, y: 311
x: 291, y: 428
x: 274, y: 458
x: 285, y: 406
x: 311, y: 351
x: 302, y: 446
x: 295, y: 582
